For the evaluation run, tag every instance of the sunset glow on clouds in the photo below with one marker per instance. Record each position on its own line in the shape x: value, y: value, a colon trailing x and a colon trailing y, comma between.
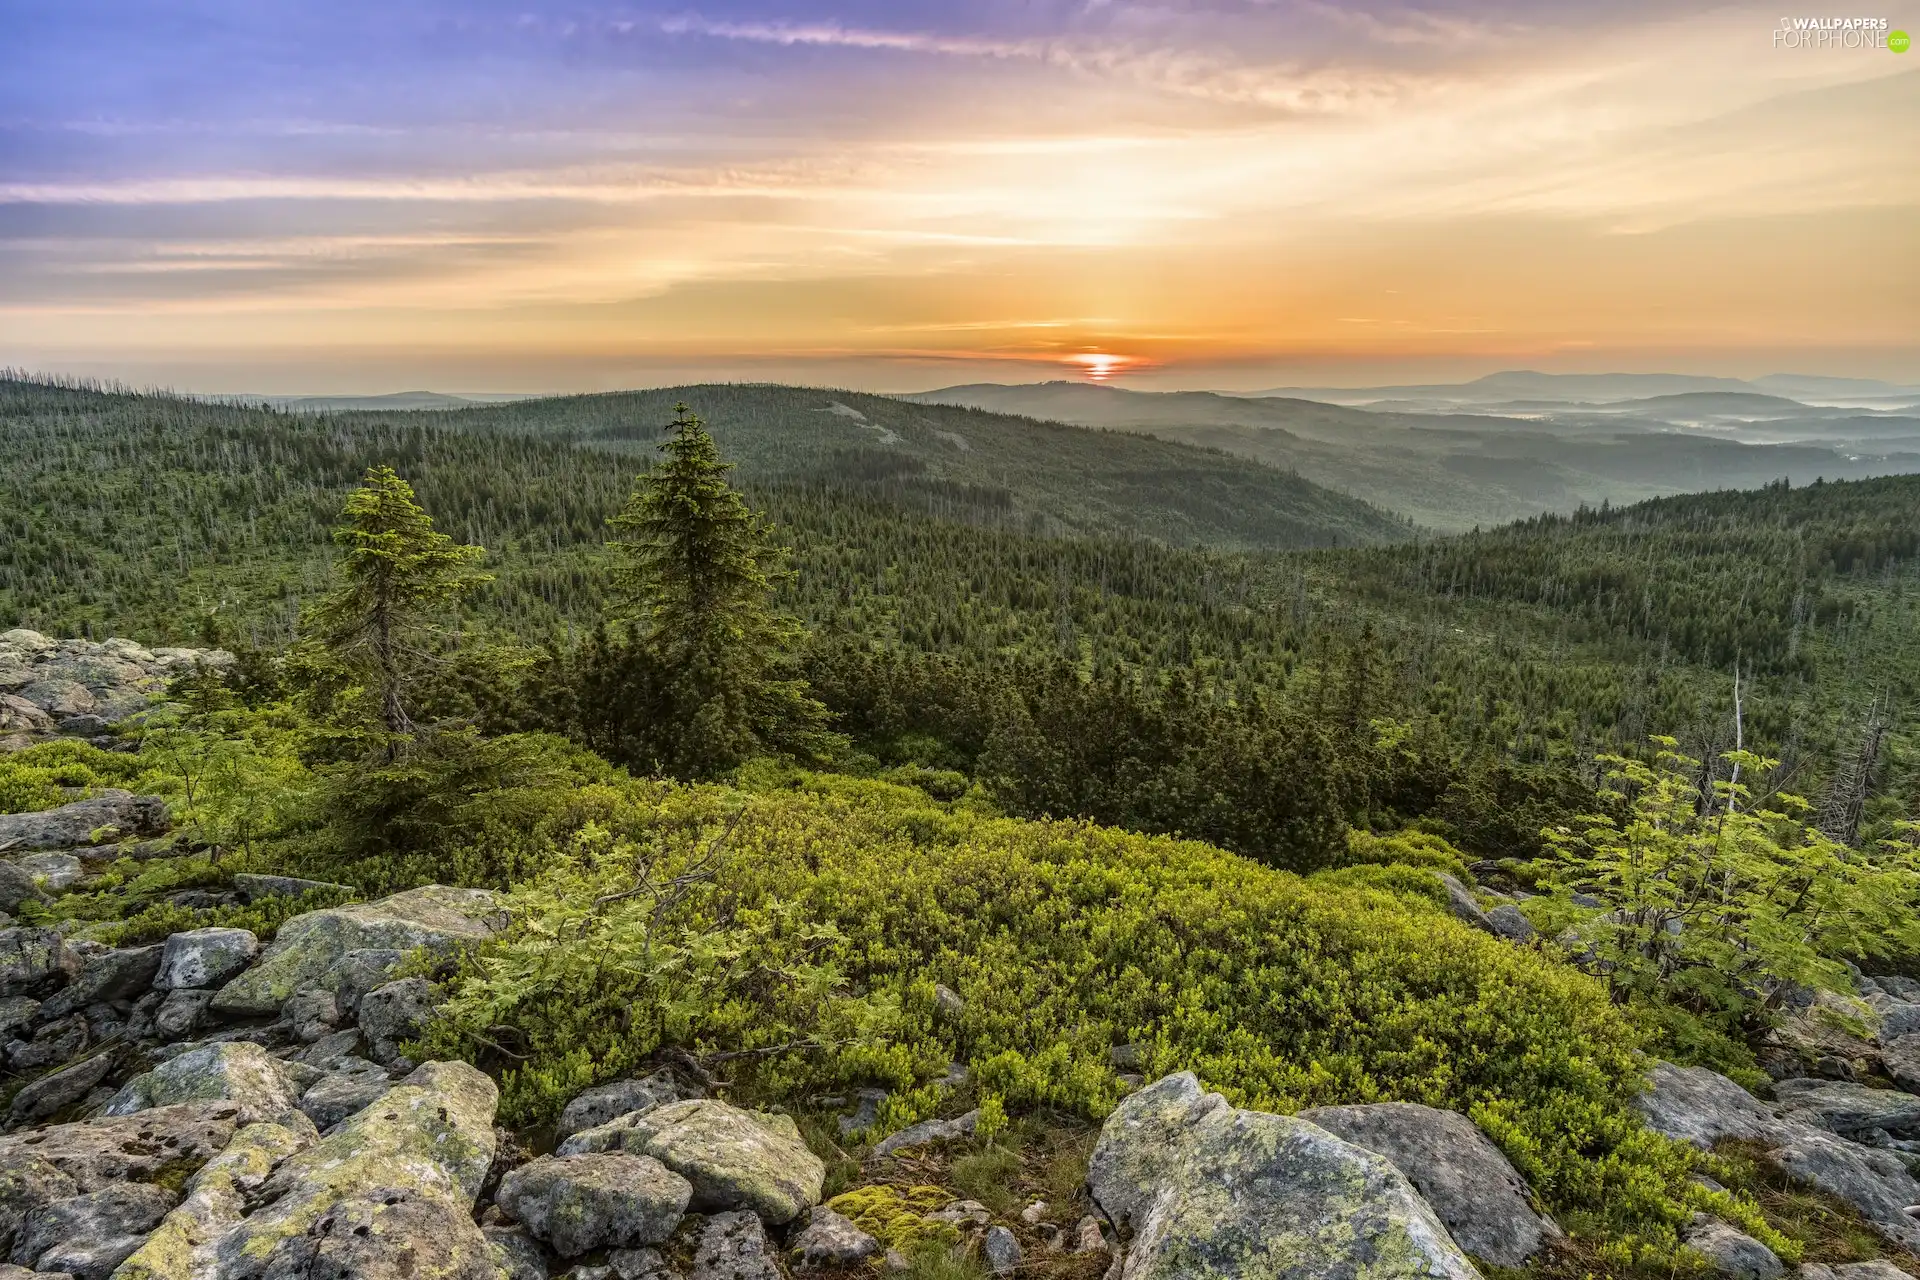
x: 358, y: 196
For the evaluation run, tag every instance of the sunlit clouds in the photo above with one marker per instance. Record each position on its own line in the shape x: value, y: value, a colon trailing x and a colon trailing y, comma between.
x: 496, y: 198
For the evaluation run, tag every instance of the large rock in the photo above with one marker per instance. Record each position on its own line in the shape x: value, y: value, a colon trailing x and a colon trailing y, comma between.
x: 1479, y: 1196
x: 205, y: 957
x: 1465, y: 907
x: 113, y: 975
x: 137, y: 1148
x: 1211, y: 1191
x: 390, y: 1195
x: 735, y: 1159
x: 235, y: 1071
x: 602, y: 1103
x: 89, y: 1235
x: 1848, y: 1109
x: 1702, y: 1107
x: 1901, y: 1057
x: 435, y: 917
x: 110, y: 815
x: 340, y: 1094
x: 1878, y: 1269
x: 608, y: 1200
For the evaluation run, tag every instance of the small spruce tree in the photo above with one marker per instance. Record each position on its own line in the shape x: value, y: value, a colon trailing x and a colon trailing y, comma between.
x: 395, y: 575
x: 694, y: 581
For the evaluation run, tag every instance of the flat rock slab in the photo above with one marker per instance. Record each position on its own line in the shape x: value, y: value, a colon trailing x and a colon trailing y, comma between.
x: 1212, y: 1191
x: 1702, y: 1107
x: 136, y: 1148
x: 234, y: 1071
x: 1846, y: 1108
x: 436, y: 917
x: 111, y: 815
x: 1479, y: 1196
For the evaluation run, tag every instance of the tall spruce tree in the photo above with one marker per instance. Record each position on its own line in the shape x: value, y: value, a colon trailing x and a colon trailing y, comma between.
x: 395, y: 575
x: 694, y: 582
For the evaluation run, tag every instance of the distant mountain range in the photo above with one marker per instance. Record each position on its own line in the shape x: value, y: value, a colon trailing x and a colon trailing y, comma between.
x: 1510, y: 445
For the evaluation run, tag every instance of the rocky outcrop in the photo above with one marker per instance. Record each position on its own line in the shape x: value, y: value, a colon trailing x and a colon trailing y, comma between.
x: 1850, y: 1110
x: 1456, y: 1168
x: 82, y: 687
x: 89, y: 1235
x: 1702, y: 1107
x: 1212, y: 1191
x: 390, y: 1195
x: 308, y: 947
x: 137, y: 1148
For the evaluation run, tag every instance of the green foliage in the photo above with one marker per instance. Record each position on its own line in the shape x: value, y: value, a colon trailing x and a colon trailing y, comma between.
x: 1718, y: 900
x: 52, y: 773
x: 263, y: 916
x: 395, y: 574
x: 236, y: 778
x: 810, y: 956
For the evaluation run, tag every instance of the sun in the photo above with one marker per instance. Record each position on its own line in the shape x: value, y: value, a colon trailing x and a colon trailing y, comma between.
x: 1099, y: 366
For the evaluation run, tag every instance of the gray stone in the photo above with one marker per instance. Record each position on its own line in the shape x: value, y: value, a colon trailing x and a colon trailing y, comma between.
x: 1509, y: 922
x: 435, y: 917
x: 1472, y: 1187
x: 30, y: 959
x: 1901, y: 1056
x: 948, y: 1001
x: 252, y: 886
x: 180, y: 1012
x: 1875, y: 1270
x: 517, y: 1254
x: 1845, y: 1108
x: 596, y: 1106
x: 60, y: 699
x: 333, y: 1098
x: 205, y: 957
x: 1896, y: 1017
x: 51, y: 1094
x: 358, y: 972
x: 53, y: 1043
x: 1876, y: 1183
x: 28, y: 1183
x: 243, y: 1074
x: 56, y: 870
x: 1000, y: 1251
x: 1732, y: 1253
x: 116, y: 975
x: 110, y: 815
x: 1465, y: 907
x: 312, y: 1013
x: 395, y: 1013
x: 1211, y: 1191
x: 329, y: 1052
x: 1702, y: 1107
x: 1088, y: 1236
x: 18, y: 885
x: 91, y: 1234
x: 640, y: 1264
x: 609, y: 1199
x: 16, y: 1012
x: 831, y: 1240
x: 918, y: 1135
x: 962, y: 1214
x: 735, y: 1159
x: 137, y: 1148
x: 389, y: 1195
x: 733, y: 1246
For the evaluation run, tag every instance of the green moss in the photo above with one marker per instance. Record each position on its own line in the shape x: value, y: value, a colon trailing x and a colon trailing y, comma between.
x: 893, y: 1215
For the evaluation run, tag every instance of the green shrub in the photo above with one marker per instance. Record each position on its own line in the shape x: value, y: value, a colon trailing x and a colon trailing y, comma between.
x: 47, y: 775
x: 840, y: 903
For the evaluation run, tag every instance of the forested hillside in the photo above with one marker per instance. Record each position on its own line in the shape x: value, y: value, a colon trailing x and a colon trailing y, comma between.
x: 945, y: 818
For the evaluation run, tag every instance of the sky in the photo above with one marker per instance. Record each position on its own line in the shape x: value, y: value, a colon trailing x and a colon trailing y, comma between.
x: 356, y: 196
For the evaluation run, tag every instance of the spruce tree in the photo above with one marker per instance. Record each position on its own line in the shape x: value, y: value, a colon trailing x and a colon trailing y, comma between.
x: 395, y: 575
x: 695, y: 576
